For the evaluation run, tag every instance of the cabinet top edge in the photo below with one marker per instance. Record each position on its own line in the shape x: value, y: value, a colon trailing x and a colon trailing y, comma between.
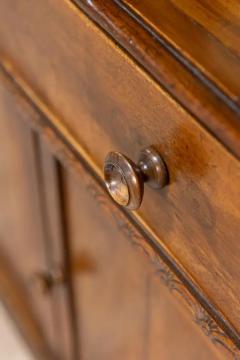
x: 212, y: 97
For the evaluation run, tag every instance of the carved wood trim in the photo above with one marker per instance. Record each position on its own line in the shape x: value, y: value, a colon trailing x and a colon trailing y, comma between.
x: 67, y: 156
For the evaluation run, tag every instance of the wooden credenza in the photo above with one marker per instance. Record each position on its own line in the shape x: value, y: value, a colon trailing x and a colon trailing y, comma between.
x: 82, y: 276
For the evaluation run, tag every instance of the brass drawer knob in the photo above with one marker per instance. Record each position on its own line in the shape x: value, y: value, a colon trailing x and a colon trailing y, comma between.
x: 125, y: 179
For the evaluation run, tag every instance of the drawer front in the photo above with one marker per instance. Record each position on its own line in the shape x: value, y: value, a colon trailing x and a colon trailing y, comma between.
x: 108, y: 103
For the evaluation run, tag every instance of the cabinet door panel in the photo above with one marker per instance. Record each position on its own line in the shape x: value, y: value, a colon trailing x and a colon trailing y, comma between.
x: 123, y: 310
x: 23, y: 245
x: 21, y: 235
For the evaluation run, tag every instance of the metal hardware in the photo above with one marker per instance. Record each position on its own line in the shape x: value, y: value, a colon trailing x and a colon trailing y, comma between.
x: 125, y: 179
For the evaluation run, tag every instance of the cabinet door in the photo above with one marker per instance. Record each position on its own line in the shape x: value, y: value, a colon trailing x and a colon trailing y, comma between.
x: 21, y: 233
x: 26, y: 242
x: 123, y: 310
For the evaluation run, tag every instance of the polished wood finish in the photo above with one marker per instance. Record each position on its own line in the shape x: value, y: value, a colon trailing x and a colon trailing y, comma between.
x: 25, y: 245
x: 31, y: 25
x: 67, y: 111
x: 205, y: 37
x: 59, y: 266
x: 118, y: 293
x: 162, y: 62
x: 21, y: 245
x: 194, y: 215
x: 182, y: 288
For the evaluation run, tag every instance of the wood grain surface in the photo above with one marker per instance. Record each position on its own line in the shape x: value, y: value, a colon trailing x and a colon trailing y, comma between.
x: 112, y: 105
x: 28, y: 249
x: 117, y: 290
x: 61, y: 294
x: 204, y: 33
x: 71, y: 155
x: 170, y: 67
x: 21, y: 236
x: 45, y: 49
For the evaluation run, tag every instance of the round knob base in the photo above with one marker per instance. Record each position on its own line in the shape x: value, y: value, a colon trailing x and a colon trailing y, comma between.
x: 153, y: 168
